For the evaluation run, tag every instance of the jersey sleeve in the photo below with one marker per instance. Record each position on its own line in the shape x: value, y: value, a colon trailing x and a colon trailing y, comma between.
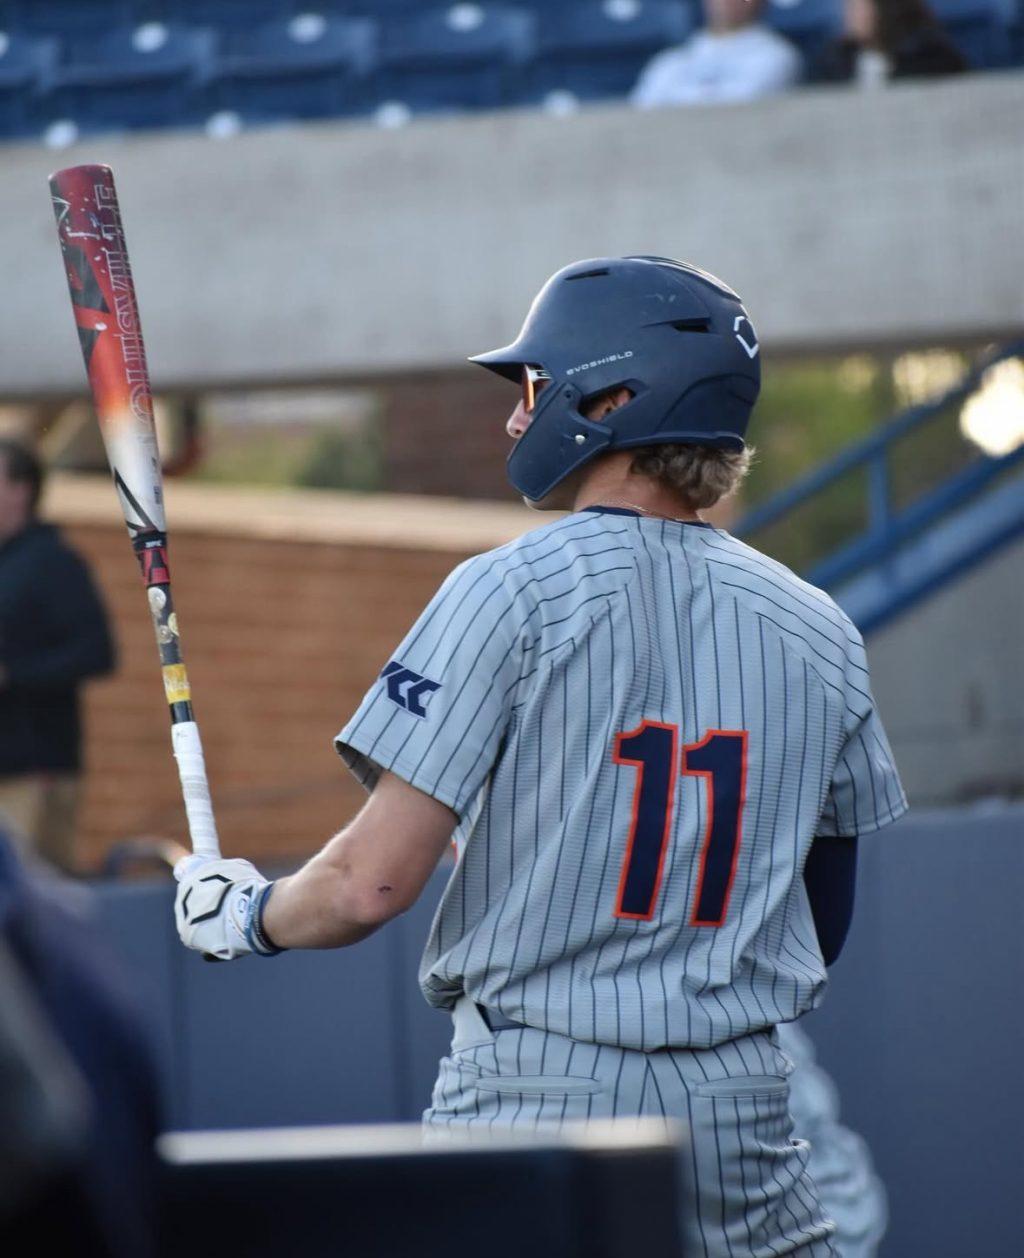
x: 866, y: 792
x: 438, y: 711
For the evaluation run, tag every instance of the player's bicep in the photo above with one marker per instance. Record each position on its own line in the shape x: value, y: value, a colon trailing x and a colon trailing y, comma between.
x: 830, y: 876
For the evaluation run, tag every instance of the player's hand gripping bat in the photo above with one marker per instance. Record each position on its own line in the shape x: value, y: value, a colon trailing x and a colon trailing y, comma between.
x: 107, y: 316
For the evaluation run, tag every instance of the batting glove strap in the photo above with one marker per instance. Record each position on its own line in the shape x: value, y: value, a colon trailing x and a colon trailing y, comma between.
x: 255, y: 932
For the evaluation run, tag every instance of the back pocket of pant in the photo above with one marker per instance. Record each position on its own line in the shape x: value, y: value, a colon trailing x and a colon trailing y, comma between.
x: 539, y: 1085
x: 743, y: 1085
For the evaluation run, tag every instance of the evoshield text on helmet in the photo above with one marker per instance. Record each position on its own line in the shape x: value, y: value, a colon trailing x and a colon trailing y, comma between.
x: 676, y: 337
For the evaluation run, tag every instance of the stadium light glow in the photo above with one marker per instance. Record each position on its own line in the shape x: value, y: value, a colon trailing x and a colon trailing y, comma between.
x: 994, y: 417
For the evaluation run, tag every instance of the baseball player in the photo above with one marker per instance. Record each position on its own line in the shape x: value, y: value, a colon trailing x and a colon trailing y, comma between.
x: 654, y: 747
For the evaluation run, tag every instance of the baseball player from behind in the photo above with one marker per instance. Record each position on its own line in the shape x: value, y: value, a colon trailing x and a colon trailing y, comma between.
x: 655, y: 748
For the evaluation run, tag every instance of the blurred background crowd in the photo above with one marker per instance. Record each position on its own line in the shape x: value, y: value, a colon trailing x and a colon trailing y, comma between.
x: 77, y: 68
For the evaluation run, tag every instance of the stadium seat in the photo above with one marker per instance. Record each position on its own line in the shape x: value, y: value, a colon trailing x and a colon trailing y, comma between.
x: 459, y: 57
x: 1016, y: 34
x: 308, y: 66
x: 24, y: 64
x: 981, y: 29
x: 809, y: 24
x: 225, y: 15
x: 378, y: 9
x: 597, y: 49
x: 71, y: 20
x: 152, y: 76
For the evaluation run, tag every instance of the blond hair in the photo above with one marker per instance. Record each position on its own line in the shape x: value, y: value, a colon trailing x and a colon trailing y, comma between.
x: 703, y: 475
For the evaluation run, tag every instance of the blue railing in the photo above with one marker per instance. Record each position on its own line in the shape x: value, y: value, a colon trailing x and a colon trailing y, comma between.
x: 888, y: 529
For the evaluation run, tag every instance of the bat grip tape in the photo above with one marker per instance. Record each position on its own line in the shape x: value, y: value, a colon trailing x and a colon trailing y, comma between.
x: 188, y: 752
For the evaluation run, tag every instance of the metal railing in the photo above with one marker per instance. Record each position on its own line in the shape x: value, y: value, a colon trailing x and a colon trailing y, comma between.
x: 887, y: 528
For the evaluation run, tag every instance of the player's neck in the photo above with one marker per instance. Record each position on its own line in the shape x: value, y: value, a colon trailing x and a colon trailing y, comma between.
x: 611, y: 483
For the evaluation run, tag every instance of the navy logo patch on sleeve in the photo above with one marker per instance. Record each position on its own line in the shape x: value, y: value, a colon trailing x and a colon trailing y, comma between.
x: 408, y: 689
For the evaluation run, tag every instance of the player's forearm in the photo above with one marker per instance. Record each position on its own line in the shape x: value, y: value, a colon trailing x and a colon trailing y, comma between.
x: 337, y: 899
x: 373, y: 870
x: 317, y: 908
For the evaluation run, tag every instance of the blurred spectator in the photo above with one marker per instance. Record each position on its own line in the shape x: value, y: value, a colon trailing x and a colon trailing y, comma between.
x: 841, y: 1164
x: 53, y: 634
x: 79, y: 1096
x: 733, y: 58
x: 898, y: 39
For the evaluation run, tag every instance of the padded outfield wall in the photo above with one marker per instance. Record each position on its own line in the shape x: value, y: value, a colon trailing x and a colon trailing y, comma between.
x: 920, y: 1028
x: 338, y: 251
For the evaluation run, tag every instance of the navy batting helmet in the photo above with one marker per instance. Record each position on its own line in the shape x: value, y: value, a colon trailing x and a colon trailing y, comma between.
x: 676, y: 336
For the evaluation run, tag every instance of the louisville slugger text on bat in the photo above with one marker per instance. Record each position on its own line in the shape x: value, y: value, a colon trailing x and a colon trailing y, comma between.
x: 107, y: 317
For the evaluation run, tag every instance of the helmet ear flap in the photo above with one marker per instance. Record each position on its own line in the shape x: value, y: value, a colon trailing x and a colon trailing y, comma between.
x: 559, y: 440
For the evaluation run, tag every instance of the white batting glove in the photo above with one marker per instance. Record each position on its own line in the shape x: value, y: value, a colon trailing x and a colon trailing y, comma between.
x: 219, y: 907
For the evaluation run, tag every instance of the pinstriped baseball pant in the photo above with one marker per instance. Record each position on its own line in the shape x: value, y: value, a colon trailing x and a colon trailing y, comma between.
x: 751, y: 1192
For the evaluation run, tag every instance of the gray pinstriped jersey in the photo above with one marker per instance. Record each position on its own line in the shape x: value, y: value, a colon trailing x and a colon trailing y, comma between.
x: 642, y: 725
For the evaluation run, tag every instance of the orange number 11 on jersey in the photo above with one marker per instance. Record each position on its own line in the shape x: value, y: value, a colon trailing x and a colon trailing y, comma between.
x: 721, y: 759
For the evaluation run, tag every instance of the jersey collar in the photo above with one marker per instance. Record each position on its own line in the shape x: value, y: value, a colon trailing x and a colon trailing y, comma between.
x: 602, y: 510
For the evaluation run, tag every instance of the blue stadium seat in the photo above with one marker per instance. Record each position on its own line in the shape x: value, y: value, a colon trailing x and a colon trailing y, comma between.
x: 1017, y: 34
x: 377, y: 9
x: 597, y: 48
x: 309, y: 66
x: 459, y: 57
x: 152, y: 76
x: 71, y: 20
x: 25, y: 62
x: 226, y: 15
x: 981, y: 29
x: 809, y: 24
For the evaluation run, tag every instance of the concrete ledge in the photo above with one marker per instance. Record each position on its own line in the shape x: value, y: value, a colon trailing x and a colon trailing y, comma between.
x: 403, y: 521
x: 336, y: 250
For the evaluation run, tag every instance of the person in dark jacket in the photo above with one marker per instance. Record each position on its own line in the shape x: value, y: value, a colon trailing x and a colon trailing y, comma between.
x: 897, y: 39
x: 53, y: 635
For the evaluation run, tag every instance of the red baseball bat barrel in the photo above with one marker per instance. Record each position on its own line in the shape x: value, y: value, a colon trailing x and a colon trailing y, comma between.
x: 107, y: 318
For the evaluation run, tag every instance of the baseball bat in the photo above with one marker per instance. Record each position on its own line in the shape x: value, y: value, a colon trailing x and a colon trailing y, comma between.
x: 107, y: 317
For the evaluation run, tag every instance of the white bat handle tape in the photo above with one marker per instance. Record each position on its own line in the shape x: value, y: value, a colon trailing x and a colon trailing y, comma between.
x: 188, y: 751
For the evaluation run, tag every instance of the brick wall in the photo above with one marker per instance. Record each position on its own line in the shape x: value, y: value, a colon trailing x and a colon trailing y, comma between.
x: 281, y: 635
x: 445, y: 434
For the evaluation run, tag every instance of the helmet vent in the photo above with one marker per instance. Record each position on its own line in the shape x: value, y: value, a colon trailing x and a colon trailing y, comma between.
x: 692, y: 325
x: 587, y: 275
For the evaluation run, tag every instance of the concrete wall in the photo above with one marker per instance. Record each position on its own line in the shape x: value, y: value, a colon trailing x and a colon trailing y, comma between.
x: 340, y: 250
x: 949, y: 679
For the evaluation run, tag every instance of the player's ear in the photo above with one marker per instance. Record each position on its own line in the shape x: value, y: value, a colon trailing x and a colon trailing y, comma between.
x: 604, y: 403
